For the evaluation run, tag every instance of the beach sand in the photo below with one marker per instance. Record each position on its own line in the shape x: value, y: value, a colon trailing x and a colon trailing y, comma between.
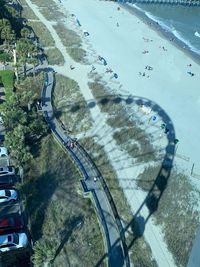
x: 168, y: 84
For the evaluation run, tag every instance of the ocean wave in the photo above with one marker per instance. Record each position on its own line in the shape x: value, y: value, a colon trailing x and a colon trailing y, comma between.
x: 197, y: 34
x: 186, y: 42
x: 169, y: 28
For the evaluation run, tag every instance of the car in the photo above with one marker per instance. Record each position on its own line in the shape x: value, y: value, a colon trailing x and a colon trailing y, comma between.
x: 7, y: 170
x: 14, y: 222
x: 7, y: 180
x: 13, y: 241
x: 3, y: 152
x: 7, y: 195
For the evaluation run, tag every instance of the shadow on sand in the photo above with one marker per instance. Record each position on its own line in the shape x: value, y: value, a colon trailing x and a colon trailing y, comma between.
x: 151, y: 201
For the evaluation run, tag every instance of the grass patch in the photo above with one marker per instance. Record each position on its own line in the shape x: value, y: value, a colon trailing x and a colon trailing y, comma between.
x: 54, y: 56
x: 51, y: 188
x: 147, y: 178
x: 70, y: 106
x: 100, y: 158
x: 27, y: 12
x: 72, y: 41
x: 7, y: 79
x: 141, y: 254
x: 41, y: 32
x: 140, y: 251
x: 177, y: 211
x: 44, y: 3
x: 108, y: 103
x: 52, y: 13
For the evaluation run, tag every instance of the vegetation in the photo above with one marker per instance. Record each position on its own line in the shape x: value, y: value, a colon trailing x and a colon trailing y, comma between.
x: 63, y: 223
x: 72, y: 41
x: 7, y: 79
x: 54, y: 56
x: 175, y: 216
x: 24, y: 125
x: 69, y: 105
x: 41, y: 32
x: 56, y: 207
x: 5, y: 57
x: 140, y: 251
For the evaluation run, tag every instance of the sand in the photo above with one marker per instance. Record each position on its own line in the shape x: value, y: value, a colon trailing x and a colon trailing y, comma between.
x: 168, y: 84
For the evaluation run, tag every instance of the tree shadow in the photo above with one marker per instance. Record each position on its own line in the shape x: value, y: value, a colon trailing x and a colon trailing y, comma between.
x: 38, y: 200
x: 71, y: 225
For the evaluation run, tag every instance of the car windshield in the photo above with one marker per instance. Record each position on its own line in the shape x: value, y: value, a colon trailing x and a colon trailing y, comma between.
x: 7, y: 193
x: 16, y: 238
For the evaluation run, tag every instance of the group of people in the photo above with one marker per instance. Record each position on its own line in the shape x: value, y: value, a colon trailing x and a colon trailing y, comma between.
x: 189, y: 72
x: 146, y: 68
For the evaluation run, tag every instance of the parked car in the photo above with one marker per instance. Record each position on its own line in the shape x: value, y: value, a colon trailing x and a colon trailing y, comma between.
x: 13, y: 223
x: 7, y: 195
x: 3, y: 152
x: 7, y: 170
x: 7, y: 180
x: 13, y: 241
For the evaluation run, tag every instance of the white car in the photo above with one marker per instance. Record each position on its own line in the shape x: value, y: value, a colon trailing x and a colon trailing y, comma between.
x: 3, y: 152
x: 7, y: 170
x: 13, y: 241
x: 7, y: 195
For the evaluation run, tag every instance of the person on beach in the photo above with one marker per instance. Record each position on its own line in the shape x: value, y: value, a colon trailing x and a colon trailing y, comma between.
x: 93, y: 68
x: 117, y: 24
x: 109, y: 70
x: 72, y: 67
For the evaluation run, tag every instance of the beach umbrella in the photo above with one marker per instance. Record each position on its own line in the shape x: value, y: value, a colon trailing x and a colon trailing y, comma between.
x: 115, y: 75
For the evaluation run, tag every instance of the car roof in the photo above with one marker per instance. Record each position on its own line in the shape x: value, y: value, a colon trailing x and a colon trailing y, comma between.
x: 6, y: 179
x: 3, y: 150
x: 7, y: 222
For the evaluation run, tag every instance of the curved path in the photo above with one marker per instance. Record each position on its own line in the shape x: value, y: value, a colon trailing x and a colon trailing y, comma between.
x: 116, y: 248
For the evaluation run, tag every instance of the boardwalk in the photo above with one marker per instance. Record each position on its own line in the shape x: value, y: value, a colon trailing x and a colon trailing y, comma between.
x: 116, y: 248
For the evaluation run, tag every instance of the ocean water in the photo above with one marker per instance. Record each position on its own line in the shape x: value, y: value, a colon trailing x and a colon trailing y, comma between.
x: 183, y: 22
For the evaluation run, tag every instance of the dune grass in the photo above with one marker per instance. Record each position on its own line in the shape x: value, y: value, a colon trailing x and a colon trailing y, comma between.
x: 27, y: 12
x: 72, y: 41
x: 177, y: 211
x: 42, y: 33
x: 54, y: 56
x: 140, y: 252
x: 54, y: 204
x: 70, y: 106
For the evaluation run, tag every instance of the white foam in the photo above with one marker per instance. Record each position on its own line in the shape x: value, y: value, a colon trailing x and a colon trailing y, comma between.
x: 170, y: 29
x: 197, y: 34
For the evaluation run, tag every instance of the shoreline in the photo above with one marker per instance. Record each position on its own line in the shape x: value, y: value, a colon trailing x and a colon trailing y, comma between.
x: 162, y: 32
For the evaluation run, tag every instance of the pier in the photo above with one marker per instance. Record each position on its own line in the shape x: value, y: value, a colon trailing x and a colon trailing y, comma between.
x: 167, y: 2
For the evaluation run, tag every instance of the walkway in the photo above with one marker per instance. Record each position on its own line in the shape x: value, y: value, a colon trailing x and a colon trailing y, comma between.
x: 116, y: 249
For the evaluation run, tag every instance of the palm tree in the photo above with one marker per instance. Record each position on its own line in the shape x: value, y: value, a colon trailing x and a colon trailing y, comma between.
x: 25, y: 50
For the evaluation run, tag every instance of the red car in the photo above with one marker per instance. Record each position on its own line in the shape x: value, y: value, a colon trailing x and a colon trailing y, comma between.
x: 11, y: 223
